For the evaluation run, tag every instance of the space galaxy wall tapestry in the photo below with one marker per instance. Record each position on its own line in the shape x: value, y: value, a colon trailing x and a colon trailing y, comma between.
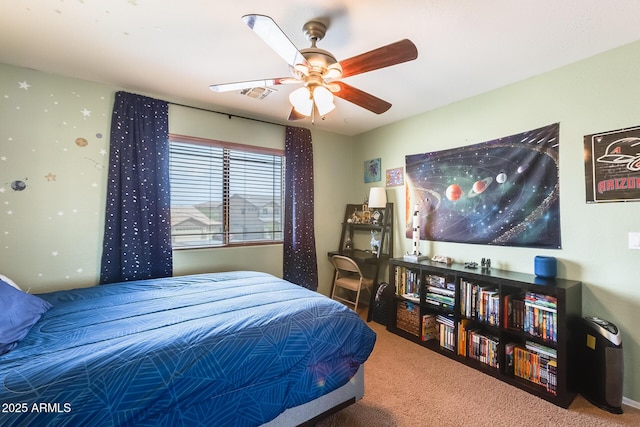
x: 503, y: 192
x: 612, y: 166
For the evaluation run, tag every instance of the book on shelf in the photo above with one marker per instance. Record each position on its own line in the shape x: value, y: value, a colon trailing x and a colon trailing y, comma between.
x: 440, y: 282
x: 538, y: 364
x: 440, y: 300
x: 480, y: 302
x: 446, y: 330
x: 462, y: 336
x: 552, y: 369
x: 436, y: 281
x: 541, y: 316
x: 513, y: 314
x: 407, y: 281
x: 541, y: 300
x: 446, y: 319
x: 541, y: 349
x: 483, y: 347
x: 441, y: 291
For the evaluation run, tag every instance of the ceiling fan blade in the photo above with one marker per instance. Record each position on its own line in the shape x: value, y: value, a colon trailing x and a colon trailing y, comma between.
x: 269, y: 31
x: 294, y: 115
x: 226, y: 87
x: 385, y: 56
x: 361, y: 98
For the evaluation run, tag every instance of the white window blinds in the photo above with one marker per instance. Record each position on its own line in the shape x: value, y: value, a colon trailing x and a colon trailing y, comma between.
x: 223, y: 194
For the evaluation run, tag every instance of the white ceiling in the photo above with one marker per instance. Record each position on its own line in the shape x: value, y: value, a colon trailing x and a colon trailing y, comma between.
x: 175, y: 49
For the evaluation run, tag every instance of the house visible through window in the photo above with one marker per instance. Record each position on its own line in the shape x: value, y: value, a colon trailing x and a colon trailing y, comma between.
x: 224, y: 194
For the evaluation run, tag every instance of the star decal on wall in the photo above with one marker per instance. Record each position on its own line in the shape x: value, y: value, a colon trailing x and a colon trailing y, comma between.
x: 24, y: 85
x: 50, y: 177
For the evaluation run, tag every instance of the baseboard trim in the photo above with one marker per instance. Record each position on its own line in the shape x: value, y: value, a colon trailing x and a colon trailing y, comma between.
x: 631, y: 403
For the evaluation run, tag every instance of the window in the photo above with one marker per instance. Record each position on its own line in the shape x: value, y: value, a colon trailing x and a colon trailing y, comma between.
x: 224, y: 194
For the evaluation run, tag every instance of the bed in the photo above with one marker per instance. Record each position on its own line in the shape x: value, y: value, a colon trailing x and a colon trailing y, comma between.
x: 234, y: 348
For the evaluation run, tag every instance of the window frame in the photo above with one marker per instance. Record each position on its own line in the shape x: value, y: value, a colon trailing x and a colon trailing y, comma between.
x: 225, y: 145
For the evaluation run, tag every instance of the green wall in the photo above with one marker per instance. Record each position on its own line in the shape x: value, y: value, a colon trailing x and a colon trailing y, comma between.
x: 595, y: 95
x: 54, y: 138
x: 51, y: 231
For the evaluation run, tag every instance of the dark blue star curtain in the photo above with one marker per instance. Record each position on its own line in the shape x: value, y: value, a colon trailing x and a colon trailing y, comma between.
x: 137, y: 233
x: 300, y: 264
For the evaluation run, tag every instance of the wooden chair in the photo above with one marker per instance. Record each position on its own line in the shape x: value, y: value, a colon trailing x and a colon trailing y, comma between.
x: 349, y: 277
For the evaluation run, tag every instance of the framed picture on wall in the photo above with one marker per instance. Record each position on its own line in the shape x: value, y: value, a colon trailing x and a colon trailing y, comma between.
x: 612, y: 166
x: 372, y: 170
x: 395, y: 177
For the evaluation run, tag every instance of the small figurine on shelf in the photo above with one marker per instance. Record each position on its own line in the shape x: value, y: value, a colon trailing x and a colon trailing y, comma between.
x: 375, y: 242
x: 366, y: 214
x: 415, y: 256
x: 348, y: 244
x: 355, y: 219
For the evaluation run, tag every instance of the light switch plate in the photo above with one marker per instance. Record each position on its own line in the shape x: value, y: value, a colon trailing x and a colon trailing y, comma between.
x: 634, y: 240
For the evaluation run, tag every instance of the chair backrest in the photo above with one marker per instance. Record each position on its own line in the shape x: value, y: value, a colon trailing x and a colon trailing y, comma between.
x: 343, y: 263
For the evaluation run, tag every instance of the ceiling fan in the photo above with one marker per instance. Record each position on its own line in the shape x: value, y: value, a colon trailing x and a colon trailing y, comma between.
x: 319, y: 71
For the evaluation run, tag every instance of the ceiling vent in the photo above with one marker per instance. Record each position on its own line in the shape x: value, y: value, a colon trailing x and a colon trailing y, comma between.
x: 257, y: 92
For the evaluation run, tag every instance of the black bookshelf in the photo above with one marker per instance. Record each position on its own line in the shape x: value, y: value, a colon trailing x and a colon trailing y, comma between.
x: 520, y: 326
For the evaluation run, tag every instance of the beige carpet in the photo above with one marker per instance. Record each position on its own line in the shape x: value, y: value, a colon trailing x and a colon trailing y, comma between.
x: 408, y: 385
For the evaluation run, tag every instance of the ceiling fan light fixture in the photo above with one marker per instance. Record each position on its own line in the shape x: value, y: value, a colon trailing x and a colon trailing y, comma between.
x: 324, y: 100
x: 302, y: 101
x: 301, y: 69
x: 334, y: 72
x: 319, y: 71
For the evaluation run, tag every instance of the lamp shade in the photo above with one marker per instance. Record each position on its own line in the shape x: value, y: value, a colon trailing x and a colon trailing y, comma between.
x: 377, y: 197
x: 302, y: 101
x: 324, y: 100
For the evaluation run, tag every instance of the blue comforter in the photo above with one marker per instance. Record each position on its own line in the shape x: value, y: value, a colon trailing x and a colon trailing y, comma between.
x: 233, y: 348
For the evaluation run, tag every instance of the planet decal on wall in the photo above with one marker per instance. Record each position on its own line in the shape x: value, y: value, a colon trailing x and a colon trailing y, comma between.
x: 18, y: 185
x: 453, y: 192
x: 501, y: 178
x: 479, y: 187
x: 82, y: 142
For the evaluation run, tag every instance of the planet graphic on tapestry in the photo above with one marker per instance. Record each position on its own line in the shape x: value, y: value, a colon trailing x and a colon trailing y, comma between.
x: 18, y: 185
x: 479, y: 187
x: 453, y: 192
x: 488, y: 190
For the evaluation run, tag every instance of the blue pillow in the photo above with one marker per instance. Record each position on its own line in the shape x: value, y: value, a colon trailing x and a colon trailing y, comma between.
x: 19, y: 311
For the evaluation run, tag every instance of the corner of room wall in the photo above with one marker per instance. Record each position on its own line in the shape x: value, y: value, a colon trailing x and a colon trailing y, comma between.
x: 333, y: 174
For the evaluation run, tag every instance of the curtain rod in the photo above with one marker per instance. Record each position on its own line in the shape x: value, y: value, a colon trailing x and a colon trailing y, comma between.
x: 225, y: 114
